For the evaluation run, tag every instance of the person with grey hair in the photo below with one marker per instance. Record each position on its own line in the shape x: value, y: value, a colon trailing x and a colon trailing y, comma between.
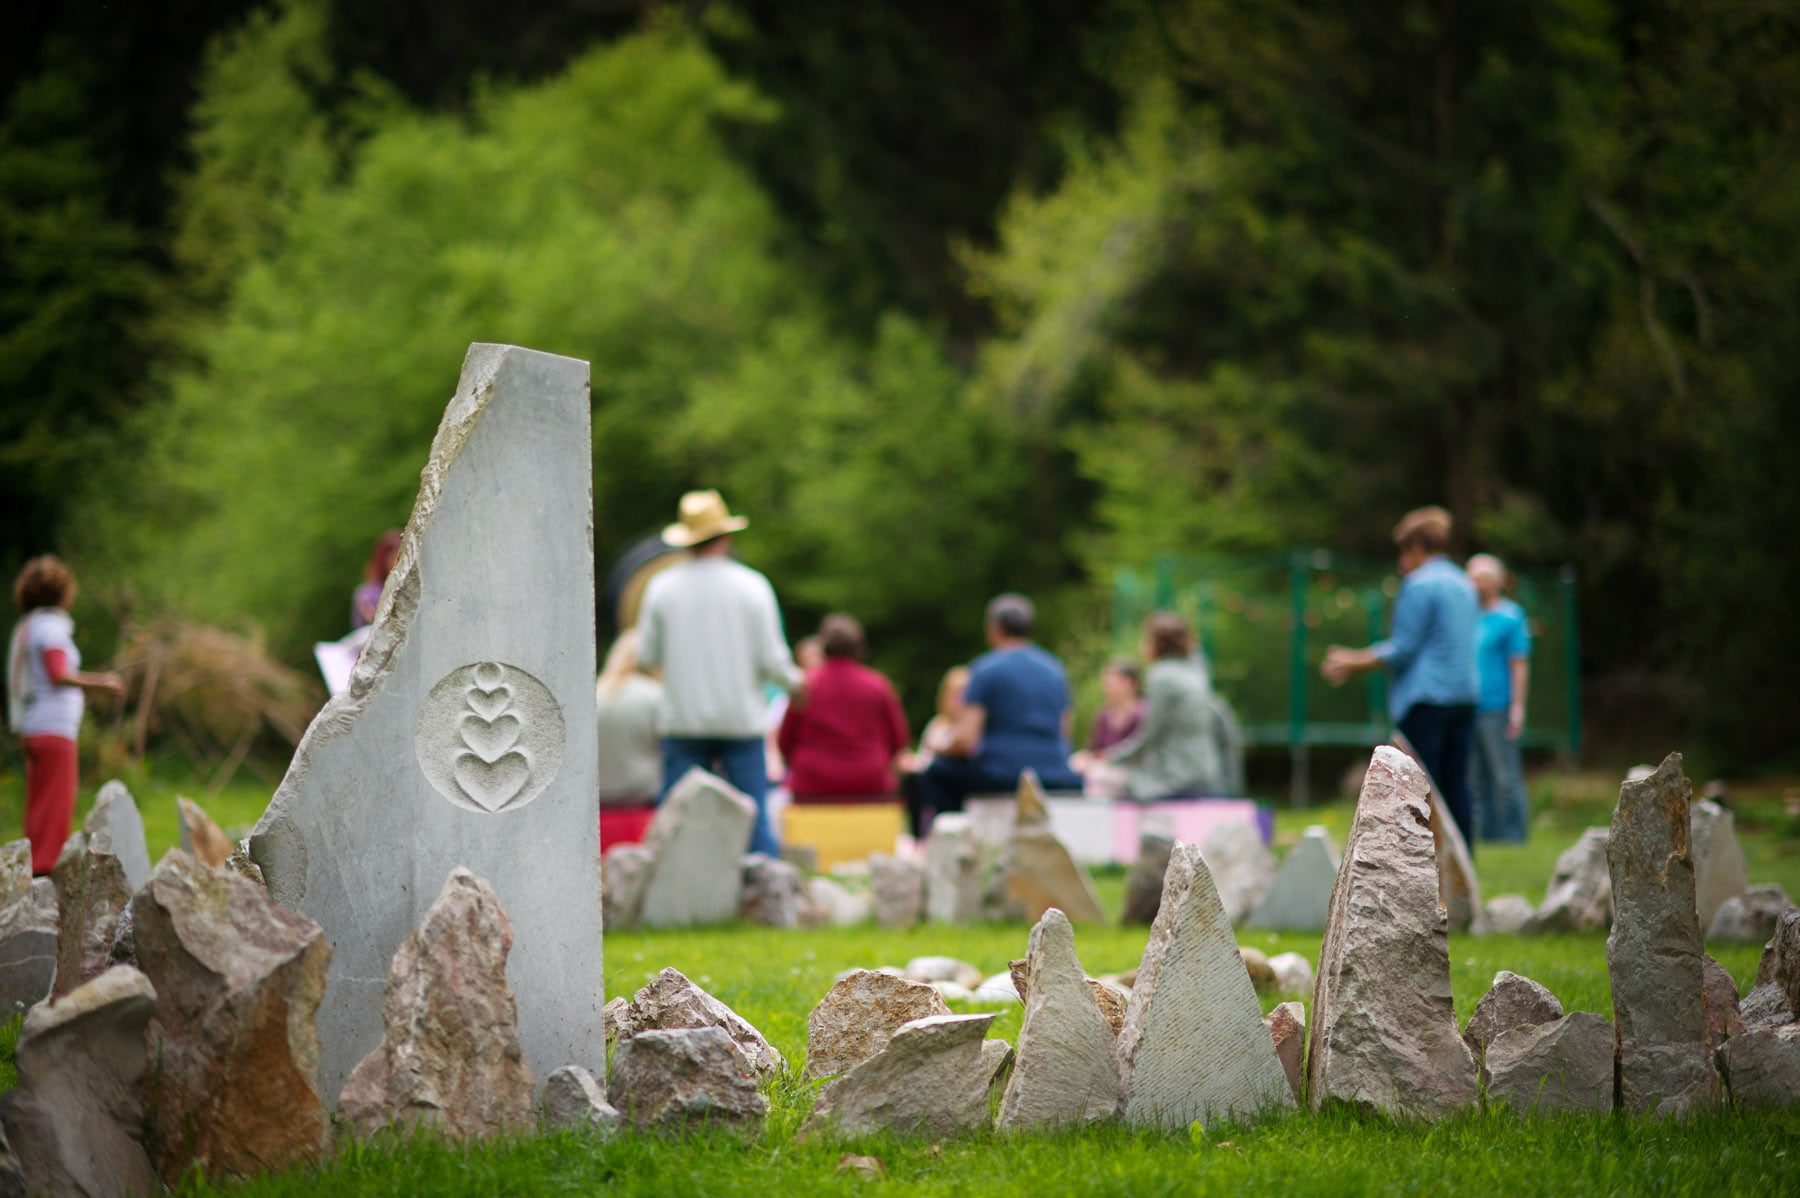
x: 1015, y: 716
x: 1503, y: 660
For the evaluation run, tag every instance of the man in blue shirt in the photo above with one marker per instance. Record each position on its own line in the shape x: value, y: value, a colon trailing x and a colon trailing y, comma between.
x: 1015, y: 716
x: 1503, y: 659
x: 1430, y: 657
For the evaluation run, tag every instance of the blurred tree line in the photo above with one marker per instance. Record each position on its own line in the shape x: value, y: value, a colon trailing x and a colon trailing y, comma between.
x: 948, y: 300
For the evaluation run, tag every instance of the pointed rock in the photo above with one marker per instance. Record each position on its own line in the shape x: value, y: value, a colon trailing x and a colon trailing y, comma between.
x: 115, y: 826
x: 1579, y: 898
x: 27, y: 943
x: 1042, y: 873
x: 238, y: 982
x: 1066, y: 1073
x: 1144, y: 884
x: 1194, y: 1047
x: 1300, y: 896
x: 667, y: 1079
x: 450, y: 1057
x: 859, y: 1015
x: 574, y: 1101
x: 696, y: 843
x: 1763, y: 1066
x: 1749, y: 918
x: 200, y: 836
x: 952, y: 871
x: 671, y: 1002
x: 76, y: 1119
x: 1241, y: 867
x: 1563, y: 1065
x: 1511, y: 1002
x: 898, y: 889
x: 1720, y: 869
x: 91, y: 894
x: 931, y: 1078
x: 1458, y: 889
x: 1030, y: 807
x: 1287, y: 1029
x: 1384, y: 1029
x: 1111, y: 998
x: 1653, y: 954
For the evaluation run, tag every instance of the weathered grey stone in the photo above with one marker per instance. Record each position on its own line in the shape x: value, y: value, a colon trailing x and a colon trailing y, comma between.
x: 952, y: 871
x: 1383, y: 1031
x: 931, y: 1078
x: 450, y: 1057
x: 1720, y: 997
x: 1507, y: 915
x: 897, y: 887
x: 1193, y: 1047
x: 238, y: 982
x: 200, y: 836
x: 15, y: 871
x: 1653, y: 955
x: 1458, y: 888
x: 465, y: 737
x: 624, y: 871
x: 1563, y: 1065
x: 616, y: 1016
x: 1144, y: 884
x: 670, y: 1078
x: 12, y: 1177
x: 1780, y: 962
x: 773, y: 894
x: 91, y: 892
x: 76, y: 1119
x: 1066, y: 1072
x: 1579, y: 898
x: 1287, y: 1030
x: 1749, y: 918
x: 859, y: 1015
x: 1300, y: 896
x: 996, y: 1061
x: 1763, y: 1066
x: 1241, y: 866
x: 1511, y: 1002
x: 1720, y: 870
x: 574, y: 1101
x: 942, y: 969
x: 696, y: 843
x: 1765, y: 1007
x: 1042, y: 873
x: 1293, y: 973
x: 830, y: 904
x: 27, y: 945
x: 671, y: 1002
x: 114, y: 825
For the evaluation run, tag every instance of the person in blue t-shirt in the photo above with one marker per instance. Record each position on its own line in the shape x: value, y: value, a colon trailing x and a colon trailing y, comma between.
x: 1503, y: 659
x: 1015, y: 716
x: 1430, y: 657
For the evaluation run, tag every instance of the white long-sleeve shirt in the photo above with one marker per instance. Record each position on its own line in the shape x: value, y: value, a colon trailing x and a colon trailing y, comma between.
x: 712, y: 625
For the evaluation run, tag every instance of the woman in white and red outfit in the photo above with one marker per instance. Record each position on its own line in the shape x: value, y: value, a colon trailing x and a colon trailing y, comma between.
x: 46, y: 692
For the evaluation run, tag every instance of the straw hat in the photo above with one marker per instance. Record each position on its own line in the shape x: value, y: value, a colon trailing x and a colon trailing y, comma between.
x: 703, y: 517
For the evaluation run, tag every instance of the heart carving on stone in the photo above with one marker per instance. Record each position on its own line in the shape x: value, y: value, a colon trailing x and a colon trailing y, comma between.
x: 491, y: 739
x: 489, y: 703
x: 492, y: 785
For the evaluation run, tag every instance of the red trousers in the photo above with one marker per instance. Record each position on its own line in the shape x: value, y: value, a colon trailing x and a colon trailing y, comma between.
x: 49, y: 797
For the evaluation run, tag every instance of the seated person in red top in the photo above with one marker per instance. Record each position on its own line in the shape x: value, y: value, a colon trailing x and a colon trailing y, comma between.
x: 844, y: 738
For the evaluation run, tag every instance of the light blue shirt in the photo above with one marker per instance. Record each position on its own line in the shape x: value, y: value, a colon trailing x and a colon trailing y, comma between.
x: 1431, y: 652
x: 1502, y: 638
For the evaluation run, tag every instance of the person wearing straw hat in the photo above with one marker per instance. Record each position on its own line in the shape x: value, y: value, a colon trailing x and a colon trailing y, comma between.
x: 712, y: 625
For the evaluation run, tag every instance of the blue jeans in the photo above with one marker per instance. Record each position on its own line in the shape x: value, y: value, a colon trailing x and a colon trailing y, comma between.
x: 1497, y: 779
x: 738, y: 761
x: 1441, y: 735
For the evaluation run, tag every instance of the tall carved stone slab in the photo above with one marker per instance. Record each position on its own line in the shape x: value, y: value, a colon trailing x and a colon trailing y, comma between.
x: 1384, y: 1029
x: 465, y: 737
x: 1653, y: 954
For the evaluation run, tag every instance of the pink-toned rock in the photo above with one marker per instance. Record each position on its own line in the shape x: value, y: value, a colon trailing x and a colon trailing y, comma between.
x: 91, y: 894
x: 1511, y: 1002
x: 1287, y: 1028
x: 671, y: 1001
x: 670, y: 1078
x: 1719, y: 993
x: 201, y: 836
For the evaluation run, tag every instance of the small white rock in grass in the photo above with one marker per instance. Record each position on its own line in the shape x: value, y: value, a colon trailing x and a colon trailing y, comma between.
x: 942, y: 969
x: 1293, y: 973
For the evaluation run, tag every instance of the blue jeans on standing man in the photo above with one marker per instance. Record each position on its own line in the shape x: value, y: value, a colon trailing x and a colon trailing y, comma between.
x: 1441, y: 736
x: 1497, y: 779
x: 739, y: 761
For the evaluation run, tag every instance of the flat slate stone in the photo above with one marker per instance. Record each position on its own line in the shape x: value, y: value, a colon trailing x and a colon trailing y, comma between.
x: 114, y: 825
x: 696, y: 842
x: 1563, y: 1065
x: 1066, y: 1071
x: 1041, y: 873
x: 465, y: 737
x: 931, y: 1078
x: 1194, y: 1046
x: 1299, y: 898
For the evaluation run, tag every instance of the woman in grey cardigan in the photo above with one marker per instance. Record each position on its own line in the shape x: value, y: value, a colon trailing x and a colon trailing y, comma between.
x: 1174, y: 751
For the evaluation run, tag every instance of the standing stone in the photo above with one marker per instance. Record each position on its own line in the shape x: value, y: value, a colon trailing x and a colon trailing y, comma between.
x: 27, y: 945
x: 1653, y: 954
x: 1749, y: 918
x: 773, y: 893
x: 1287, y: 1030
x: 1565, y: 1064
x: 1579, y: 898
x: 859, y: 1015
x: 76, y: 1119
x: 1507, y: 914
x: 931, y: 1078
x: 1144, y: 884
x: 670, y: 1078
x: 1458, y: 889
x: 1720, y: 869
x: 115, y: 826
x: 1241, y: 866
x: 200, y: 836
x: 898, y: 889
x: 1066, y: 1072
x: 574, y: 1101
x: 1511, y: 1002
x: 1763, y: 1067
x: 1774, y: 997
x: 952, y: 871
x: 465, y: 736
x: 671, y: 1002
x: 696, y: 843
x: 624, y: 872
x: 1720, y: 997
x: 91, y: 893
x: 1042, y: 873
x: 1300, y: 896
x: 450, y: 1059
x: 1194, y: 1047
x: 238, y: 982
x: 1383, y: 1020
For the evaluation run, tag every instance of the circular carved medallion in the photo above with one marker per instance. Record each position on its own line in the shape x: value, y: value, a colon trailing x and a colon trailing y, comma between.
x: 490, y: 737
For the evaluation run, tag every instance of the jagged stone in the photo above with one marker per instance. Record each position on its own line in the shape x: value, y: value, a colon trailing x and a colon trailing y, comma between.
x: 897, y: 887
x: 996, y: 1061
x: 1511, y: 1002
x: 201, y: 836
x: 1720, y: 869
x: 1458, y: 888
x: 239, y: 863
x: 1299, y: 898
x: 1383, y: 1031
x: 1507, y: 915
x: 1256, y: 964
x: 616, y: 1016
x: 1653, y: 955
x: 1041, y: 873
x: 1066, y: 1072
x: 832, y: 905
x: 114, y: 825
x: 574, y: 1101
x: 624, y: 872
x: 450, y: 1056
x: 1293, y: 973
x: 1030, y: 806
x: 1241, y: 866
x: 76, y: 1119
x: 1579, y: 898
x: 859, y: 1015
x: 1779, y: 965
x: 773, y: 892
x: 952, y: 871
x: 1111, y: 997
x: 1287, y: 1030
x: 669, y: 1078
x: 1193, y: 1047
x: 91, y: 892
x: 1144, y: 884
x: 942, y: 969
x: 27, y: 943
x: 15, y: 871
x: 671, y: 1001
x: 696, y: 842
x: 1749, y: 918
x: 1563, y: 1065
x: 238, y: 982
x: 1762, y: 1067
x: 931, y: 1078
x: 1720, y: 997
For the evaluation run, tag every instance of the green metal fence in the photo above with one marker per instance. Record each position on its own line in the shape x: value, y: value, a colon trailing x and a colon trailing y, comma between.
x: 1266, y: 621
